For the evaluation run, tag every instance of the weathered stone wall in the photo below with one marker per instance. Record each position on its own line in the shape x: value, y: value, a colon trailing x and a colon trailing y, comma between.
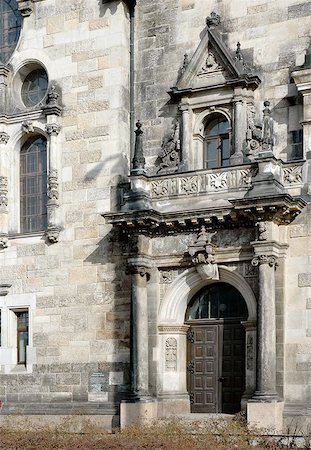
x: 79, y: 321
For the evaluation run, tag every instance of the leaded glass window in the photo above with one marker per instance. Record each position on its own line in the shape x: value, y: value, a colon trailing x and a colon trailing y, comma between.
x: 10, y: 27
x: 34, y: 87
x: 217, y: 301
x: 217, y: 143
x: 33, y: 185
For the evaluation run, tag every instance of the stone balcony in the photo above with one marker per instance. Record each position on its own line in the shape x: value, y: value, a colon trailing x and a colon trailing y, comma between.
x: 247, y: 192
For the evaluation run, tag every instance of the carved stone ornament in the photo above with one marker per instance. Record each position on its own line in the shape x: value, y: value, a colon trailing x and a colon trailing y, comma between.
x: 169, y: 155
x: 52, y: 193
x: 52, y: 234
x: 202, y: 255
x: 25, y: 7
x: 263, y: 233
x: 53, y: 129
x: 53, y: 96
x: 250, y: 353
x: 166, y: 277
x: 52, y: 102
x: 27, y: 126
x: 213, y: 20
x: 3, y: 241
x: 183, y: 68
x: 211, y: 65
x: 259, y: 137
x: 171, y: 354
x: 264, y: 259
x: 3, y: 192
x: 4, y: 137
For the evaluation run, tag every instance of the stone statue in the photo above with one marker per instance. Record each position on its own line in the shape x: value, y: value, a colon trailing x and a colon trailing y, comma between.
x: 169, y: 155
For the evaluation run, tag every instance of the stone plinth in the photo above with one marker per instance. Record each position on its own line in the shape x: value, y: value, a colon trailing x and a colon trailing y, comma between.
x: 266, y: 416
x: 142, y: 412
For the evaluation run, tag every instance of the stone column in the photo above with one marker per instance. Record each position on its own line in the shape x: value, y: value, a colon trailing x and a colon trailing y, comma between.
x: 266, y: 329
x: 4, y: 72
x: 53, y: 228
x: 139, y: 407
x: 186, y: 137
x: 4, y: 137
x: 265, y: 409
x: 239, y: 131
x: 139, y: 333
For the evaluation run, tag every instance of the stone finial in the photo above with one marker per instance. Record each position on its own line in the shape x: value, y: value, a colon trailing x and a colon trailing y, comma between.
x: 213, y: 20
x: 185, y: 64
x: 139, y: 159
x: 267, y: 129
x: 238, y: 54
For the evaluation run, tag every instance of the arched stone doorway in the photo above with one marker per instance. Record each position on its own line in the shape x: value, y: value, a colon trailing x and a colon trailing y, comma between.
x: 173, y: 394
x: 216, y: 349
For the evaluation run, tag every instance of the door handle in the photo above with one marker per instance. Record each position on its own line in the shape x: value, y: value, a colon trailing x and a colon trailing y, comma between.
x: 221, y: 379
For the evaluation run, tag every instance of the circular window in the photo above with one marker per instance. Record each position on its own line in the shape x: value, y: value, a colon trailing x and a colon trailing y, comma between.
x: 34, y: 87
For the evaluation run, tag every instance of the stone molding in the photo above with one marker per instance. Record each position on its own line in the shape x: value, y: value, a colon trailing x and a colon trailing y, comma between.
x: 173, y: 329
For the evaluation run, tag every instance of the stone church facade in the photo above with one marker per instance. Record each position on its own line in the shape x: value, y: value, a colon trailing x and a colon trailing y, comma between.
x: 154, y: 208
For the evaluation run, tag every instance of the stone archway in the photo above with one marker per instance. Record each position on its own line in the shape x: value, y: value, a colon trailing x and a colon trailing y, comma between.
x: 172, y: 383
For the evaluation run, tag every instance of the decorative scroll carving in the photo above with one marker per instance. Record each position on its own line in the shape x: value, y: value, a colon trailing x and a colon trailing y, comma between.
x: 264, y: 259
x: 213, y: 20
x: 189, y: 185
x: 249, y: 270
x: 171, y: 354
x: 169, y: 155
x: 52, y: 193
x: 292, y: 175
x: 250, y: 353
x: 166, y: 277
x: 27, y: 126
x: 53, y: 129
x: 139, y: 159
x: 4, y: 137
x: 3, y: 192
x: 202, y: 183
x: 202, y: 255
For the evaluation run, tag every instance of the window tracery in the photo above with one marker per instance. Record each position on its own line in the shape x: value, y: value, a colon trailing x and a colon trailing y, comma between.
x: 10, y: 27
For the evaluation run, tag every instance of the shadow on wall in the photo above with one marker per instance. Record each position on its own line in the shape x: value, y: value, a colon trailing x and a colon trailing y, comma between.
x: 104, y: 5
x: 119, y: 166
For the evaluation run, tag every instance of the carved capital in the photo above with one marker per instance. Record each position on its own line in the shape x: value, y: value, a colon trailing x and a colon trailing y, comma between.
x: 53, y: 129
x: 264, y: 259
x: 4, y: 137
x: 52, y: 234
x: 140, y: 270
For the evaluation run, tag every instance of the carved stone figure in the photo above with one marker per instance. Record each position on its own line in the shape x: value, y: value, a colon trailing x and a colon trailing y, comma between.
x: 262, y: 231
x: 52, y: 234
x: 169, y: 155
x: 213, y: 20
x: 27, y: 126
x: 267, y: 129
x: 202, y: 255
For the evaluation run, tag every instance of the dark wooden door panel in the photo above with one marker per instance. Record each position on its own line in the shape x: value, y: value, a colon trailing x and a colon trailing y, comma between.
x: 217, y: 376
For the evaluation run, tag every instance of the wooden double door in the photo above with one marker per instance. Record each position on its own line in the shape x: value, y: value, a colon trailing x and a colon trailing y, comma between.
x: 216, y: 366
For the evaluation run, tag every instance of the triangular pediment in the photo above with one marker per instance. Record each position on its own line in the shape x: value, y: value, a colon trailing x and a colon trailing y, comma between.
x: 212, y: 65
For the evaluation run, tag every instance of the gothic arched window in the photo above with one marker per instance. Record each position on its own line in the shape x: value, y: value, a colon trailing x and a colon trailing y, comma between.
x: 33, y: 185
x: 10, y: 27
x: 217, y: 143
